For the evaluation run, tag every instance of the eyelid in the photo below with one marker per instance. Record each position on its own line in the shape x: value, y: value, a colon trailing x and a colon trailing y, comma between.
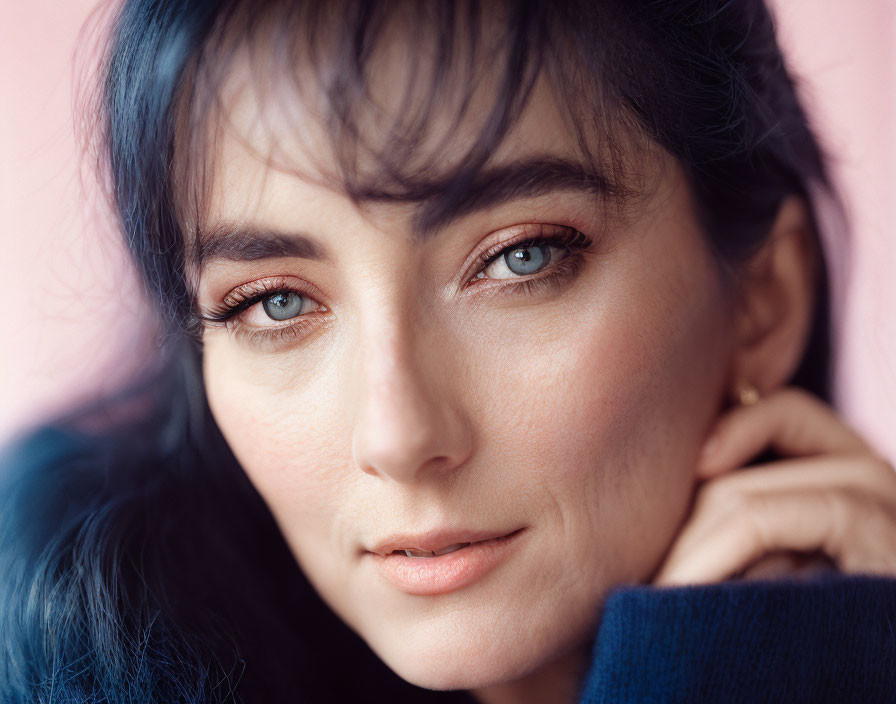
x: 272, y: 284
x: 542, y: 233
x: 241, y: 298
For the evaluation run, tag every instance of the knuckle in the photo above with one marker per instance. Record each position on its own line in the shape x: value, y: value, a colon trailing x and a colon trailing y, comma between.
x: 755, y: 512
x: 870, y: 545
x: 875, y: 473
x: 792, y: 395
x: 854, y: 517
x: 840, y: 506
x: 878, y: 519
x: 720, y: 494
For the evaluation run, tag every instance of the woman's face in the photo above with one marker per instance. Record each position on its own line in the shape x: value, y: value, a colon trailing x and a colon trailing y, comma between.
x: 543, y: 409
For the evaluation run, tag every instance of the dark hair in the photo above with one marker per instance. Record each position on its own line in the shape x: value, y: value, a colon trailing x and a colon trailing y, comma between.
x: 136, y: 558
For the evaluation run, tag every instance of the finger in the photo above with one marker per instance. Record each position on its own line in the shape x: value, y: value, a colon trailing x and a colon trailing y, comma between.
x: 863, y: 479
x: 859, y: 536
x: 791, y: 421
x: 867, y: 473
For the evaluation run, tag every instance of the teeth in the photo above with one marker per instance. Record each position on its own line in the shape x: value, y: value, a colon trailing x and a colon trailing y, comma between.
x: 452, y: 548
x: 419, y: 553
x: 429, y: 553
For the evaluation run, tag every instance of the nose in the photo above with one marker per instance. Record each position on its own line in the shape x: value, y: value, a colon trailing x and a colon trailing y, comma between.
x: 407, y: 425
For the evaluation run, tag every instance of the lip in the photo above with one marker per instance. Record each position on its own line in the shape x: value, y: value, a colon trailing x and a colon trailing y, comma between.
x: 441, y: 574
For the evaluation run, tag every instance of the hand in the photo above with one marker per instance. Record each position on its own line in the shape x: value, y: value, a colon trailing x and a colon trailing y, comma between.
x: 831, y: 496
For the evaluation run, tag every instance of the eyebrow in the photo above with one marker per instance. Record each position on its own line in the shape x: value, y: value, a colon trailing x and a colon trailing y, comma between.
x: 241, y: 243
x: 529, y: 178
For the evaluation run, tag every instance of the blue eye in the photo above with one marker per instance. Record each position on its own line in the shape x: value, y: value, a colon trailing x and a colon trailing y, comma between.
x: 284, y: 305
x: 527, y: 260
x: 523, y: 260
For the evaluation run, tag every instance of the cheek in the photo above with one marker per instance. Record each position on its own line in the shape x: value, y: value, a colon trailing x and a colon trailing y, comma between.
x: 587, y: 417
x: 282, y: 430
x: 601, y: 424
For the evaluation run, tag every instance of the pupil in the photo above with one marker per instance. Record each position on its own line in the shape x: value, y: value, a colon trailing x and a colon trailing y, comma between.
x: 283, y: 306
x: 526, y: 260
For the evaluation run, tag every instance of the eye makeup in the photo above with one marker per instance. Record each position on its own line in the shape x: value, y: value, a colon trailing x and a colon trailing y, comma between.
x: 571, y: 242
x: 231, y: 313
x: 244, y: 297
x: 232, y: 310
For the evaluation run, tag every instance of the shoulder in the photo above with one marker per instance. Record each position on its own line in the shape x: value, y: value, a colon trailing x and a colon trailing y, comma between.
x: 828, y: 638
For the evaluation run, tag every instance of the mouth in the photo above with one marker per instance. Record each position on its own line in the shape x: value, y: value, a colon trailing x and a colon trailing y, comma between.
x: 438, y: 563
x: 411, y: 552
x: 436, y: 543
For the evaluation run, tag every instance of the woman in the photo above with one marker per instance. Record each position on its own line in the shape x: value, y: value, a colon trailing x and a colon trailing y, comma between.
x: 490, y: 305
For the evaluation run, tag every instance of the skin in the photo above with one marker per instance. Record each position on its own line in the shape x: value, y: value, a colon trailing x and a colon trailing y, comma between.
x: 420, y: 397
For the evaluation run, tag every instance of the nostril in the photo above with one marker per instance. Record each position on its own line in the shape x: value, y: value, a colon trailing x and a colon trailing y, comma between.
x: 401, y: 447
x: 406, y: 424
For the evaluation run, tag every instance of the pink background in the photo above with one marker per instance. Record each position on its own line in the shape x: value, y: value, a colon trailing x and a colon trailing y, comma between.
x: 73, y: 323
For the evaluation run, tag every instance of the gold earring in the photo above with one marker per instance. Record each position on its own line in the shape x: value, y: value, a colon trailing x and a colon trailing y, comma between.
x: 747, y: 394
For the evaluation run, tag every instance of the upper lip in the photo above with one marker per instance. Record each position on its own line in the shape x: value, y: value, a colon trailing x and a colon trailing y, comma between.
x: 434, y: 540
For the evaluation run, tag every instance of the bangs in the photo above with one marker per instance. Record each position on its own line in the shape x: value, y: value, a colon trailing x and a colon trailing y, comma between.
x: 403, y: 102
x: 413, y: 101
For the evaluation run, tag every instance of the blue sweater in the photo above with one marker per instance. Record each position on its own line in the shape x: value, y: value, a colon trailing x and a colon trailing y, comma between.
x: 828, y: 639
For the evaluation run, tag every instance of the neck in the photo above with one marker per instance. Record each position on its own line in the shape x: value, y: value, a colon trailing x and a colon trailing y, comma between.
x: 558, y: 682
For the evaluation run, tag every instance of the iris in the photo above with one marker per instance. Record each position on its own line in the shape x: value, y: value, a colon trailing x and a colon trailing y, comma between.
x: 284, y: 305
x: 526, y: 260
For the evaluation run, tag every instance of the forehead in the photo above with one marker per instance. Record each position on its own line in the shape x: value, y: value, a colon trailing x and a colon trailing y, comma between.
x: 257, y: 146
x: 414, y: 129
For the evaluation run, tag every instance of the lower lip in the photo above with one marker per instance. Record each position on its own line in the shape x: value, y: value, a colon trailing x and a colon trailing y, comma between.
x: 430, y: 576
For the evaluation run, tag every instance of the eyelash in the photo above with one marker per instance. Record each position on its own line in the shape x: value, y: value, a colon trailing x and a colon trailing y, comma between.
x: 243, y: 298
x: 556, y: 274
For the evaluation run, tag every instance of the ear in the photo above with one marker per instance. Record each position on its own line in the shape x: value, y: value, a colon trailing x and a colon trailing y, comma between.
x: 775, y: 302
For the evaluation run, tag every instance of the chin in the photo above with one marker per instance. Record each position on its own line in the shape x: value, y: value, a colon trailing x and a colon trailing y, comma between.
x: 450, y: 670
x: 459, y: 651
